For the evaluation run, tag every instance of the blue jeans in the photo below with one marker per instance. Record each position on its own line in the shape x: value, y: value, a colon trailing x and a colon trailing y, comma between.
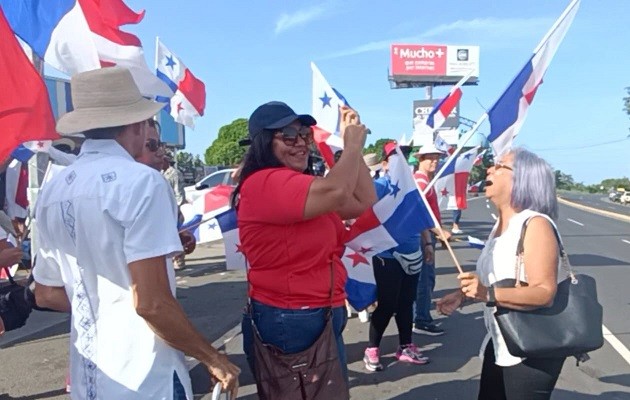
x: 457, y: 215
x: 179, y: 393
x: 291, y: 330
x: 424, y: 293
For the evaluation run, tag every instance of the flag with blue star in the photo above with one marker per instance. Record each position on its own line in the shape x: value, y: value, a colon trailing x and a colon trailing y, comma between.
x: 452, y: 184
x: 189, y: 93
x: 325, y: 108
x: 394, y: 223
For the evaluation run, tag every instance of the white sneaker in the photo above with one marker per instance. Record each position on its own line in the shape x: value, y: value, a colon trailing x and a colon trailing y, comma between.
x: 457, y: 231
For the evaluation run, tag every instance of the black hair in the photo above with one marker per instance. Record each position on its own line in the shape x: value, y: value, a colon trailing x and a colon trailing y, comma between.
x: 259, y: 156
x: 103, y: 133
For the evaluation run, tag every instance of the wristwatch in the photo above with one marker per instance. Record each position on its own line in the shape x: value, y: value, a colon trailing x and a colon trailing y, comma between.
x: 492, y: 301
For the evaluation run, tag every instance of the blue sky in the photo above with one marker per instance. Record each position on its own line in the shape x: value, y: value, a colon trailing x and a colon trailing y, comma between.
x: 251, y: 52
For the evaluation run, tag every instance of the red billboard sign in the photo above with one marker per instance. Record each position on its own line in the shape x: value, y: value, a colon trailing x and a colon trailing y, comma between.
x: 433, y: 64
x: 413, y: 59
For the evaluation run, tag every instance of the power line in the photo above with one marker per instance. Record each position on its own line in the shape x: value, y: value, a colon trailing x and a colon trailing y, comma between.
x: 583, y: 146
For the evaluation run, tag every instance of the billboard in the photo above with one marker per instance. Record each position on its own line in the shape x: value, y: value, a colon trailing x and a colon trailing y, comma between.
x: 422, y: 109
x: 427, y: 64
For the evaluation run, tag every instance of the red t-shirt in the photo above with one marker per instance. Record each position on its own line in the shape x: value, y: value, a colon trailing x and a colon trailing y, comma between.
x: 432, y: 199
x: 289, y: 257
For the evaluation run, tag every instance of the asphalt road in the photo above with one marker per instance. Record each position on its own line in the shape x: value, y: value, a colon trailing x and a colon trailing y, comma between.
x: 34, y: 361
x: 596, y: 200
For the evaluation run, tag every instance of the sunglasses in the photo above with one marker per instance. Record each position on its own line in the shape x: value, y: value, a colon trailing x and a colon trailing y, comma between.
x: 153, y: 145
x: 289, y: 135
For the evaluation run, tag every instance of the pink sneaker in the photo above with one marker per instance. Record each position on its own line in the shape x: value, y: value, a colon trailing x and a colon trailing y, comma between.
x: 411, y: 353
x: 371, y: 358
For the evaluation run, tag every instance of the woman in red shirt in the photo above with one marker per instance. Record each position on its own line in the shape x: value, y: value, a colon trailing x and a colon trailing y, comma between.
x: 291, y: 229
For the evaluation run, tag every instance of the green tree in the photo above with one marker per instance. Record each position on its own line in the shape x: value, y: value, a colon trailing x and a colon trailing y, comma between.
x: 479, y: 172
x: 626, y: 102
x: 376, y: 147
x: 611, y: 183
x: 197, y: 161
x: 184, y: 159
x: 564, y: 181
x: 225, y: 150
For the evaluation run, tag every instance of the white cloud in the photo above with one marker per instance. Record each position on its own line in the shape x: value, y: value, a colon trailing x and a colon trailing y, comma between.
x: 299, y: 18
x: 487, y: 32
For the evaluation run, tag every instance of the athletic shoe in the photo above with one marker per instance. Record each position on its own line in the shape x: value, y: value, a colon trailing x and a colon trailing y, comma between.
x: 411, y: 353
x: 457, y: 231
x: 364, y: 316
x: 427, y: 329
x: 372, y: 360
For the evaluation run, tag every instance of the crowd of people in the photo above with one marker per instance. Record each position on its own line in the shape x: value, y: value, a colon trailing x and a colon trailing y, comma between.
x: 108, y: 246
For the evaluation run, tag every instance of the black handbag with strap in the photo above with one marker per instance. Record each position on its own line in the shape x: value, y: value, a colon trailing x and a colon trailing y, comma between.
x: 15, y: 303
x: 572, y: 326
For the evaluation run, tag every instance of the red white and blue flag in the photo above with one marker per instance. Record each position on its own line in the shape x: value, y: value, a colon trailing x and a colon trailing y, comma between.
x: 57, y: 31
x: 200, y: 216
x: 189, y: 100
x: 443, y: 109
x: 441, y: 145
x: 81, y: 35
x: 452, y: 186
x: 234, y: 257
x: 402, y: 213
x: 25, y: 112
x: 325, y: 109
x: 508, y: 113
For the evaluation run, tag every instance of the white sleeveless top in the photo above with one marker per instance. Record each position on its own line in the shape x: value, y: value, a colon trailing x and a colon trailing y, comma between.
x: 497, y: 262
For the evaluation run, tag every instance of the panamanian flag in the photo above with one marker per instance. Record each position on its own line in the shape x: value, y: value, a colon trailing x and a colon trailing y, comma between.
x: 189, y: 100
x: 402, y: 213
x: 508, y: 114
x: 452, y: 186
x: 326, y: 103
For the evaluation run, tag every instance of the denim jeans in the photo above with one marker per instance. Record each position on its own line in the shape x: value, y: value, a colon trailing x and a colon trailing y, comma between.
x: 291, y: 330
x: 179, y: 393
x: 457, y: 215
x: 424, y: 293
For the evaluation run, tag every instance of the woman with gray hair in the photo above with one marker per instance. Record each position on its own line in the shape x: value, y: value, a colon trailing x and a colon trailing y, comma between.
x: 522, y: 187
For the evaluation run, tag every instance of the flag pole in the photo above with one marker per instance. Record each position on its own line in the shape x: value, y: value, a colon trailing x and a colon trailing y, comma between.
x: 458, y: 150
x: 157, y: 46
x: 555, y: 25
x: 433, y: 217
x: 35, y: 172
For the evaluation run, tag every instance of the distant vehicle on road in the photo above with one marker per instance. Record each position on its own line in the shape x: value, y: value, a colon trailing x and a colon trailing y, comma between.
x: 614, y: 196
x: 221, y: 177
x: 625, y: 198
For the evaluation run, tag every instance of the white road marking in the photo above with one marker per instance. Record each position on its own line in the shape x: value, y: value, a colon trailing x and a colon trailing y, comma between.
x: 625, y: 241
x: 575, y: 222
x: 616, y: 344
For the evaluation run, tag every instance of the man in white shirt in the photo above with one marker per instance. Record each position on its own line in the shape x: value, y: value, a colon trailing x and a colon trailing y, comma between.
x: 106, y: 229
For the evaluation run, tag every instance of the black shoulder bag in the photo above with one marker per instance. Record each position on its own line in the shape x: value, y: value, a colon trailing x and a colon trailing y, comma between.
x: 572, y: 326
x: 15, y: 303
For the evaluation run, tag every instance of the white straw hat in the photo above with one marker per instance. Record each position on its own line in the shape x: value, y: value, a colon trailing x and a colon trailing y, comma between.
x: 428, y: 149
x: 104, y: 98
x: 372, y: 161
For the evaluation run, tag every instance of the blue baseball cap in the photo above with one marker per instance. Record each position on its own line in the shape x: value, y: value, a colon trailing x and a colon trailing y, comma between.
x: 273, y: 115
